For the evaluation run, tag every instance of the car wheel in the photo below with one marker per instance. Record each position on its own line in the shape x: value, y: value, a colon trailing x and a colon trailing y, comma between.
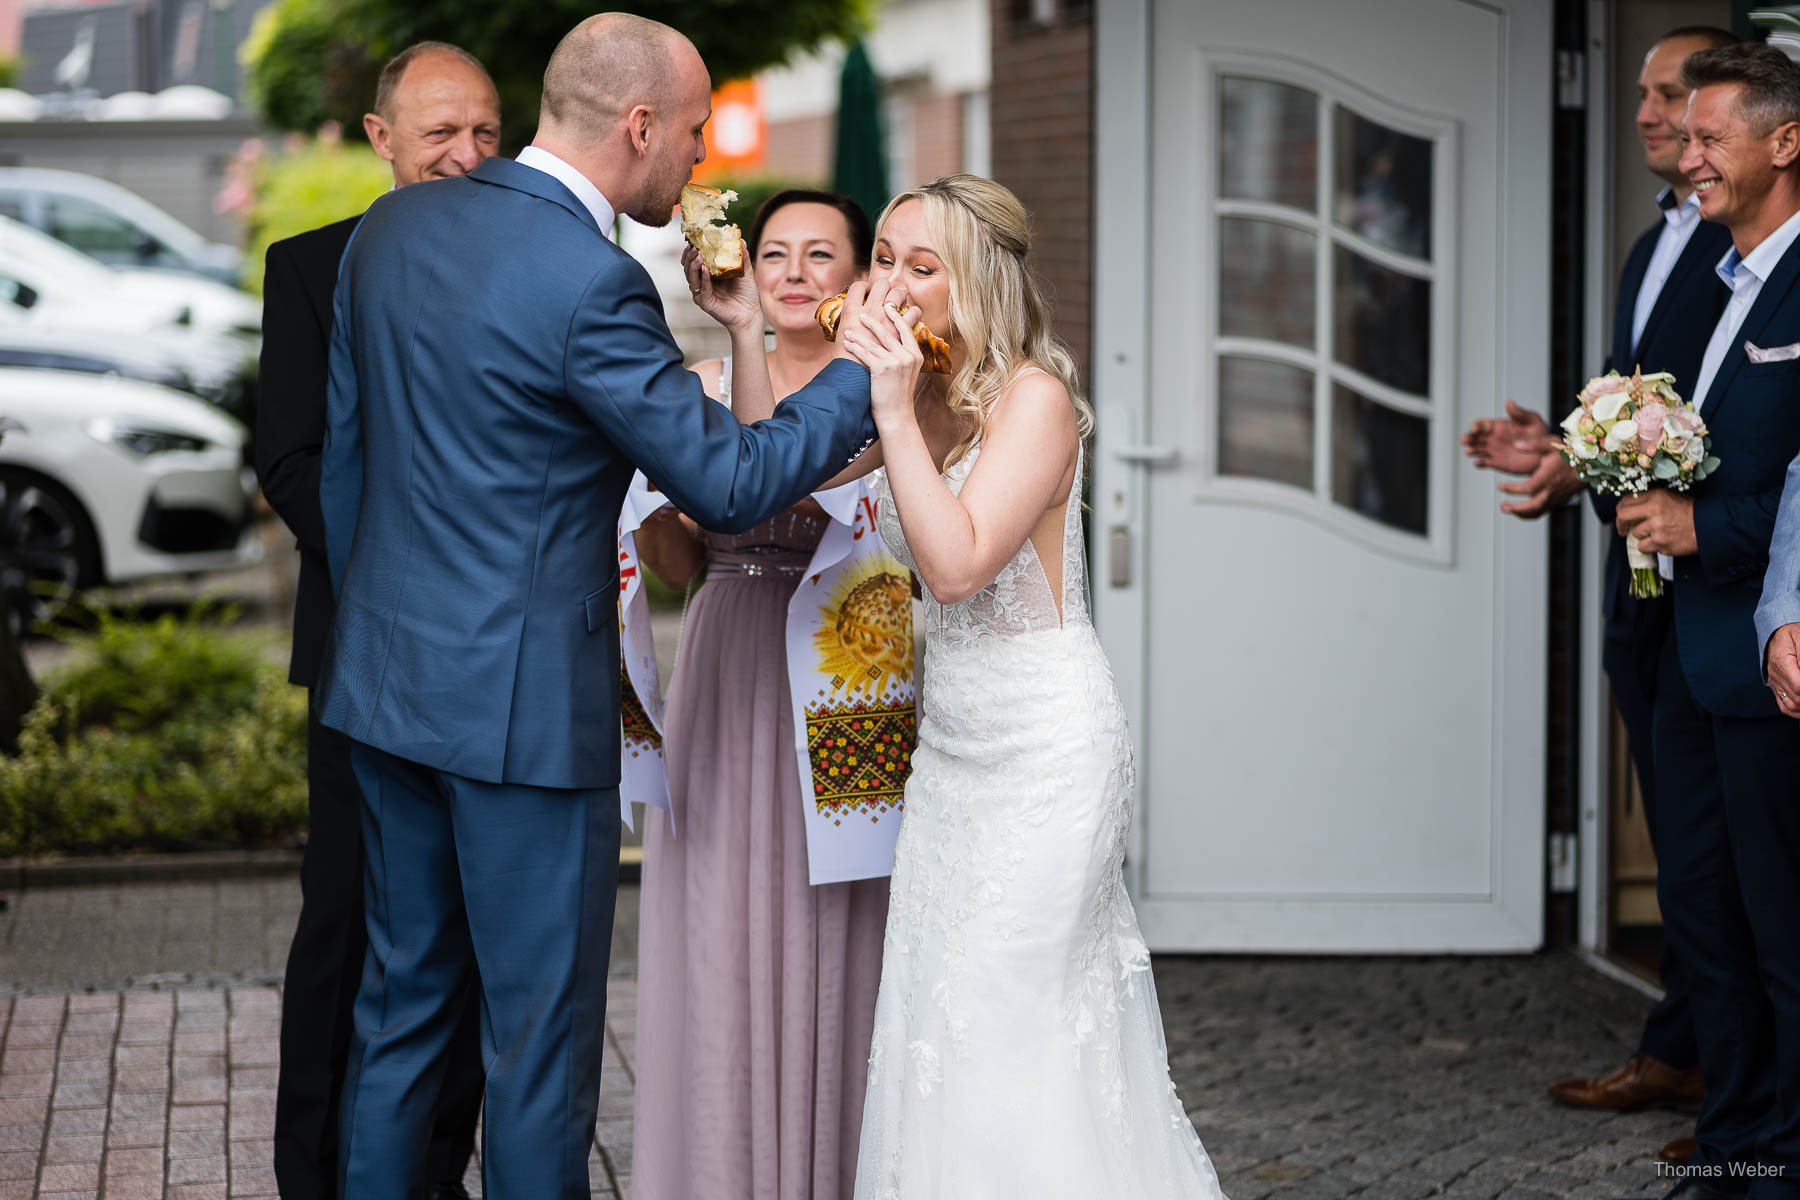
x: 48, y: 550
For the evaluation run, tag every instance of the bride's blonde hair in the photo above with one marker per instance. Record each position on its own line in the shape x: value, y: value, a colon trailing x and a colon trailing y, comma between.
x: 997, y: 305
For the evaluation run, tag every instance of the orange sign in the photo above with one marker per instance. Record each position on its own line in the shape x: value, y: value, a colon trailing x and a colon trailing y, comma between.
x: 737, y: 136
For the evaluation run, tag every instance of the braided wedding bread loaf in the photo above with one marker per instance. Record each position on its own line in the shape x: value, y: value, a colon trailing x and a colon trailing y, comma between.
x: 935, y: 349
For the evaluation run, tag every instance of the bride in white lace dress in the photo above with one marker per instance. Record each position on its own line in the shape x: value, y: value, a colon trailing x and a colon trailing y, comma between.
x: 1018, y: 1048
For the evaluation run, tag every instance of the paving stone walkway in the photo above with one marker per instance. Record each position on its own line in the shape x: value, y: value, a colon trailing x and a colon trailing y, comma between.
x: 138, y: 1058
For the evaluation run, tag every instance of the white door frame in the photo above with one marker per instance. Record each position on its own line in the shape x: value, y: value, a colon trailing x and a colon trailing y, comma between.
x: 1122, y: 388
x: 1594, y: 862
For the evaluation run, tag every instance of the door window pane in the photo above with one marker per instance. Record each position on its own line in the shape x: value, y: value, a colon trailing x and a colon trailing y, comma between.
x: 1268, y: 142
x: 1382, y: 322
x: 1383, y: 184
x: 1267, y: 274
x: 92, y: 229
x: 1266, y: 421
x: 1380, y: 461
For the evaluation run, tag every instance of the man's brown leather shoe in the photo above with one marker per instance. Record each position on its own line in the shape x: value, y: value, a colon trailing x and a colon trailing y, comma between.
x: 1644, y: 1082
x: 1679, y: 1152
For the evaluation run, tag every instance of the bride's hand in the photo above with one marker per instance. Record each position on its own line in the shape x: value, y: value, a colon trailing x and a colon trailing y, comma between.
x: 733, y: 303
x: 881, y: 339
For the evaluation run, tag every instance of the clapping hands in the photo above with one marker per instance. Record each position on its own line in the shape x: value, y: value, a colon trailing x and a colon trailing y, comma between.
x: 1522, y: 443
x: 1514, y: 444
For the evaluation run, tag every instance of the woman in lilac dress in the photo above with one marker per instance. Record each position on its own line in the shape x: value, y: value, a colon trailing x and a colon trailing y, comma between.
x: 756, y: 990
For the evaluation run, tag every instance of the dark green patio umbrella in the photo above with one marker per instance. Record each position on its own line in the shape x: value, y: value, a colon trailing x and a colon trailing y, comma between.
x: 859, y: 161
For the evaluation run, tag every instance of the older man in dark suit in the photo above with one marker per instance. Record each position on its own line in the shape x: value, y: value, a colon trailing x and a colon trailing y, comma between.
x: 1729, y: 876
x: 436, y: 116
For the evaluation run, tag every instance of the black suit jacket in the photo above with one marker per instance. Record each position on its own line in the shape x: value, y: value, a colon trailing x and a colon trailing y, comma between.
x: 1751, y: 412
x: 1674, y: 340
x: 300, y: 278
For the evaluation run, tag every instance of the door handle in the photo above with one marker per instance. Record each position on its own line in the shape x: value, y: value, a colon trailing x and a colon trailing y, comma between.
x: 1148, y: 456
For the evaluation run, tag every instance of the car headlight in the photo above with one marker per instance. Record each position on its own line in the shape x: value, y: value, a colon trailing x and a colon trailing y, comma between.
x: 142, y: 440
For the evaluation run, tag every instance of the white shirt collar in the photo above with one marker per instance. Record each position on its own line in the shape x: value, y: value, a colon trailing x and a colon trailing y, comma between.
x: 540, y: 159
x: 1678, y: 214
x: 1761, y: 261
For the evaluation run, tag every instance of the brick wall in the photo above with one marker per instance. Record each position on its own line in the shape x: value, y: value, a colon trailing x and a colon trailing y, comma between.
x: 800, y: 149
x: 937, y: 124
x: 1041, y: 104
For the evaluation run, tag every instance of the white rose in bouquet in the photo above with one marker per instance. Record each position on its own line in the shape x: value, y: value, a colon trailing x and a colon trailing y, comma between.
x: 1621, y: 437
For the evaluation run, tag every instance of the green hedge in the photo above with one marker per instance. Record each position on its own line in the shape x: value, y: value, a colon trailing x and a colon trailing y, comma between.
x: 169, y: 735
x: 312, y: 184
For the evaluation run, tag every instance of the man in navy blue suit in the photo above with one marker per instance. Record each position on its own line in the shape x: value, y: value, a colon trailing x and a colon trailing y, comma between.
x: 1667, y: 302
x: 437, y: 115
x: 1729, y: 870
x: 498, y: 370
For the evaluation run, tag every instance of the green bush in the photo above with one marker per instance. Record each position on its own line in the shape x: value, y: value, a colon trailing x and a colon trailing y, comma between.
x: 176, y: 734
x: 314, y: 184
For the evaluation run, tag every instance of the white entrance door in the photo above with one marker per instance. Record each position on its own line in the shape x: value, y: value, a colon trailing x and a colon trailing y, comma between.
x: 1332, y: 644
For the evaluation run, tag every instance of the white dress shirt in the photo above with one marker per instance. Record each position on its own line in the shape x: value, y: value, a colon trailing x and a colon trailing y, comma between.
x: 584, y: 189
x: 1745, y: 277
x: 1679, y: 222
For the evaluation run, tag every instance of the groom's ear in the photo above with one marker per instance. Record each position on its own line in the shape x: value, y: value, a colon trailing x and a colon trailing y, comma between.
x: 637, y: 124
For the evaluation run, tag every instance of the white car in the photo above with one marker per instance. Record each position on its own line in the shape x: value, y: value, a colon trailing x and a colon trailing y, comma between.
x: 214, y: 369
x: 210, y: 307
x: 105, y: 480
x: 115, y: 225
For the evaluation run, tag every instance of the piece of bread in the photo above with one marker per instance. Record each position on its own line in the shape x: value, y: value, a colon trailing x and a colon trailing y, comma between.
x: 721, y: 247
x: 933, y: 347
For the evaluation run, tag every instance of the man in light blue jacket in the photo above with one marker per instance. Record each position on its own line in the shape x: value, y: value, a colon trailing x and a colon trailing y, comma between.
x: 1778, y: 615
x: 498, y: 370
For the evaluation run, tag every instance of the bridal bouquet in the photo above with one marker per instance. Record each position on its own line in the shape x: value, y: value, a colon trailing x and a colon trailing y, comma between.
x: 1629, y: 434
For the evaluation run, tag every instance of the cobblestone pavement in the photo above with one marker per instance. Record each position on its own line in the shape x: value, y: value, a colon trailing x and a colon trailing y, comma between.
x: 138, y: 1038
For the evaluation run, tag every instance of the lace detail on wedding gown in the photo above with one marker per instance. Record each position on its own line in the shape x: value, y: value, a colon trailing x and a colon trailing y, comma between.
x: 1019, y: 600
x: 1018, y: 1049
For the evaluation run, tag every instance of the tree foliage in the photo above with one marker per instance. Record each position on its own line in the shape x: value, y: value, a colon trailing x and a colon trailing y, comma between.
x: 314, y: 60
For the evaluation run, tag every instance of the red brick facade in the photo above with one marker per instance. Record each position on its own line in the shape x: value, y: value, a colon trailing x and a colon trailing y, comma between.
x: 800, y: 149
x: 1041, y: 102
x: 937, y: 127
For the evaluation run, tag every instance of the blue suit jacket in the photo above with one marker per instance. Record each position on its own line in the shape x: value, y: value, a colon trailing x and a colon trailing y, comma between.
x: 1674, y: 340
x: 1755, y: 424
x: 498, y: 368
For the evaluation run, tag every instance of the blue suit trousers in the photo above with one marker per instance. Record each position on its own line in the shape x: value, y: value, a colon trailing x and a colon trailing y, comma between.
x: 505, y: 888
x: 1728, y: 808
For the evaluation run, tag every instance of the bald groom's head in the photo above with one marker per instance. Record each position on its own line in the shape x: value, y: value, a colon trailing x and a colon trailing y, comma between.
x: 633, y: 92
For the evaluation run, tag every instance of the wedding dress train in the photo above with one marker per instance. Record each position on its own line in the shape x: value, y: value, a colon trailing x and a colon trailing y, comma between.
x: 1018, y: 1049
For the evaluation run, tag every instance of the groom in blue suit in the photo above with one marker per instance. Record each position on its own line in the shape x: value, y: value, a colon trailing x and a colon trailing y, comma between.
x: 498, y: 369
x: 1729, y: 853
